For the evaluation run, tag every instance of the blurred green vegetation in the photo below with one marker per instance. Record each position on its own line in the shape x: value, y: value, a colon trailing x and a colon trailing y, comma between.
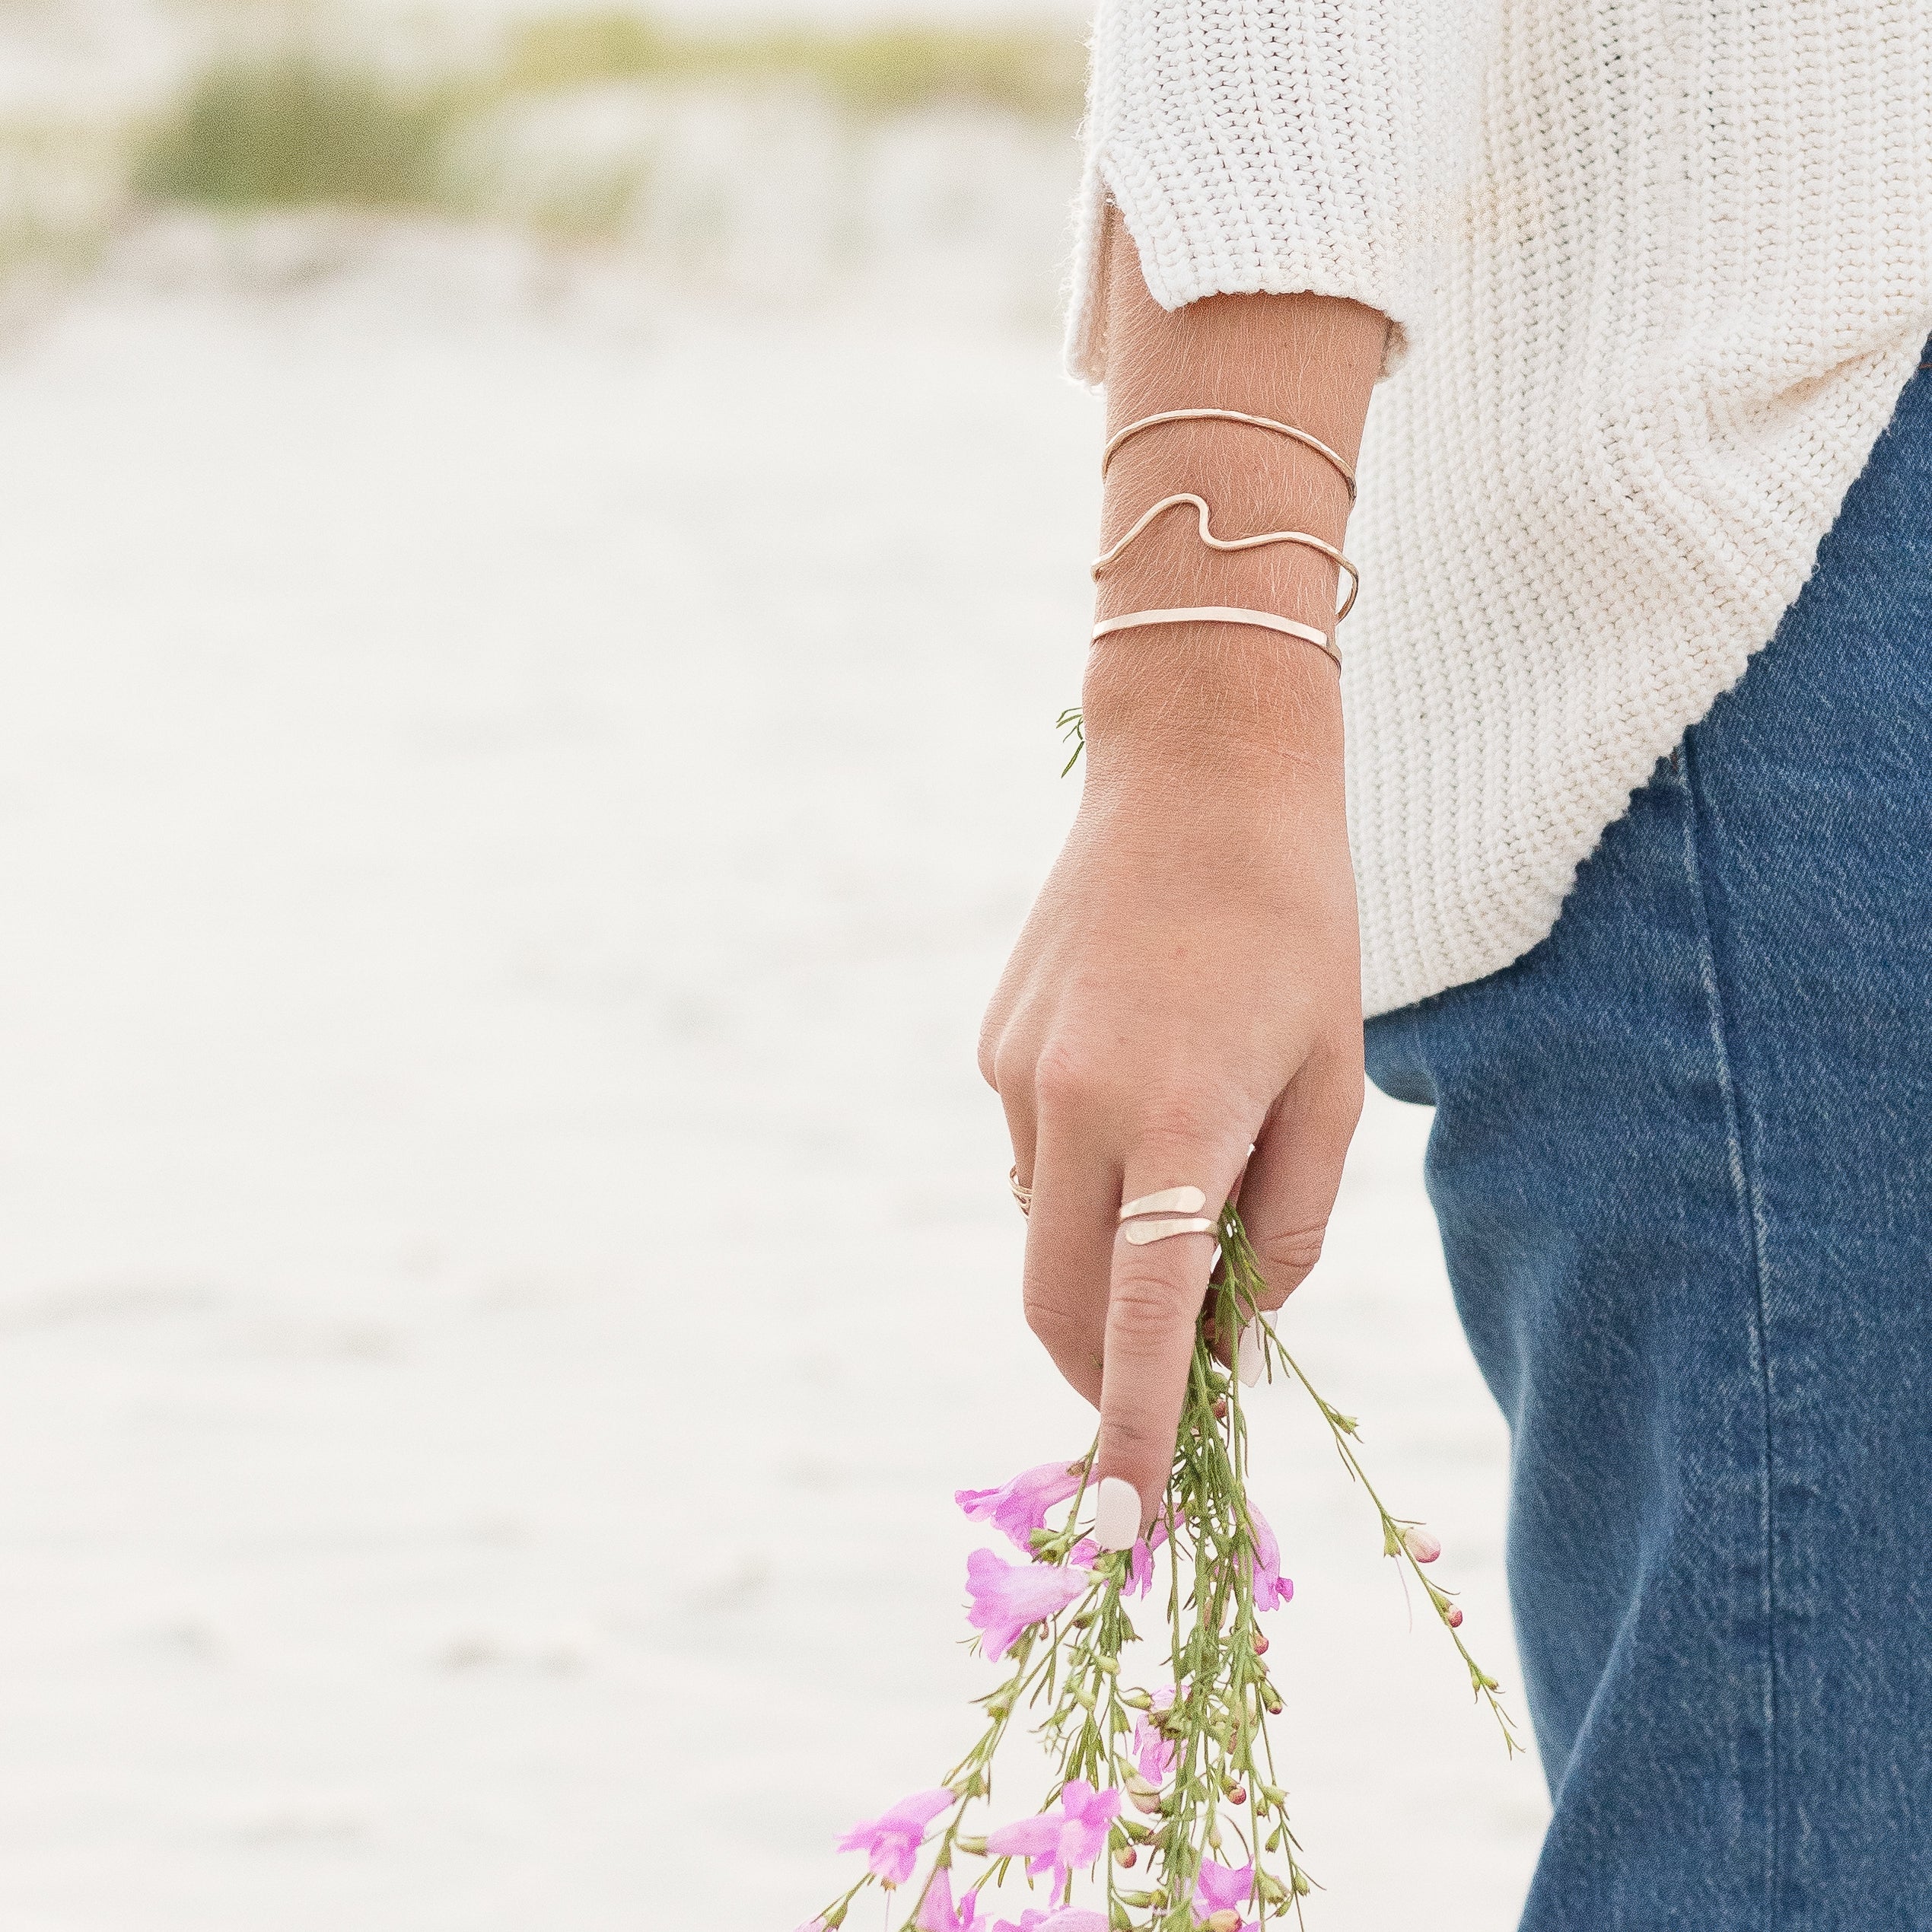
x: 294, y: 128
x: 301, y: 125
x: 1034, y: 72
x: 62, y: 182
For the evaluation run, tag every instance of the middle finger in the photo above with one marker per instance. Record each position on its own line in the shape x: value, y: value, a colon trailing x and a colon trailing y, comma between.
x: 1069, y: 1250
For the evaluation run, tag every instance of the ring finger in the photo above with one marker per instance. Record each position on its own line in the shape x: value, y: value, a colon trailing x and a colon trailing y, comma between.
x: 1069, y: 1248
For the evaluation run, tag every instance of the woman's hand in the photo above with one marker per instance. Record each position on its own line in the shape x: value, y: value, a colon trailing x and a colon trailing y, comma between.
x: 1188, y: 983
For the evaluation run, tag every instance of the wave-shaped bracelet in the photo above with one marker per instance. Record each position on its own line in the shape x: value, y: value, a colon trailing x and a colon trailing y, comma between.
x: 1287, y: 429
x: 1214, y: 543
x: 1215, y: 613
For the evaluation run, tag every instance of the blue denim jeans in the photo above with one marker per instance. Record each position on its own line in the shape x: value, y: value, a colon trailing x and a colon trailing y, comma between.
x: 1681, y: 1160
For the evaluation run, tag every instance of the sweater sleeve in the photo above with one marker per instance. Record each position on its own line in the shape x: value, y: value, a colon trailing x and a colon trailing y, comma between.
x: 1275, y: 146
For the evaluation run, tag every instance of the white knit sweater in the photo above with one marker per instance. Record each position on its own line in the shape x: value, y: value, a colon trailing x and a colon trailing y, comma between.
x: 1659, y: 269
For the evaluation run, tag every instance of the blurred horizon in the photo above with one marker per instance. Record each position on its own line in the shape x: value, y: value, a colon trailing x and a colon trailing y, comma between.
x: 780, y: 164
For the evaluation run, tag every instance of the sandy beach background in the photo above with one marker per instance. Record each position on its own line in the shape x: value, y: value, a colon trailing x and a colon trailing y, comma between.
x: 516, y: 781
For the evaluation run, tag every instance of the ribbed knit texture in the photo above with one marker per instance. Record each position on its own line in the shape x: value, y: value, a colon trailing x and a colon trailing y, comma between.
x: 1660, y: 268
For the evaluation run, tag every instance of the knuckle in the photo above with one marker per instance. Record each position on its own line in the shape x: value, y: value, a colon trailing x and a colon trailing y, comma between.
x: 1131, y: 1441
x: 1290, y: 1257
x: 1015, y: 1061
x: 988, y: 1060
x: 1351, y: 1092
x: 1004, y: 1070
x: 1049, y: 1317
x: 1342, y: 1087
x: 1146, y: 1307
x: 1063, y: 1081
x: 1182, y: 1117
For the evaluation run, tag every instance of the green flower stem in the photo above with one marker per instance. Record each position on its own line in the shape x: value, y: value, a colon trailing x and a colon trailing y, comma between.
x: 1220, y: 1798
x: 1241, y: 1261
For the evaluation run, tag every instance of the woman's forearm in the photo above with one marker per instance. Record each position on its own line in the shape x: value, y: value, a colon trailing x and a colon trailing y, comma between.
x: 1309, y: 361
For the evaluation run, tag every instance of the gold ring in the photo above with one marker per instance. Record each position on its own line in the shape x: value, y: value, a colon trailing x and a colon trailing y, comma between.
x: 1170, y: 1200
x: 1023, y: 1195
x: 1139, y: 1233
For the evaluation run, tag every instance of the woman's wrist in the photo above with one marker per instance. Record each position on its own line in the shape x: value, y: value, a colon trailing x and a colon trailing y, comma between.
x: 1215, y: 709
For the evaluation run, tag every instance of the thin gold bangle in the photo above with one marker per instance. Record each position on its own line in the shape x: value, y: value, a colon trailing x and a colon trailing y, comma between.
x: 1218, y: 613
x: 1214, y: 543
x: 1287, y: 429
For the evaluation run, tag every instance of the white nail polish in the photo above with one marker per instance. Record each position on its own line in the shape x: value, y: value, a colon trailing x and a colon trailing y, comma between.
x: 1116, y: 1514
x: 1248, y: 1358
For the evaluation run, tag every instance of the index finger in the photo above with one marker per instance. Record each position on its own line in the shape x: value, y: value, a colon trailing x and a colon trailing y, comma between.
x: 1153, y: 1301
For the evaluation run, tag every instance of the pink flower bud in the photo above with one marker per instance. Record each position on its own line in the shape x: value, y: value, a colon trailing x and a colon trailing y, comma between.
x: 1422, y: 1545
x: 1453, y: 1616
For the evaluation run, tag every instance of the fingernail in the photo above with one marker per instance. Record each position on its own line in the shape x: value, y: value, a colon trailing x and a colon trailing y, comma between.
x: 1116, y: 1514
x: 1248, y: 1356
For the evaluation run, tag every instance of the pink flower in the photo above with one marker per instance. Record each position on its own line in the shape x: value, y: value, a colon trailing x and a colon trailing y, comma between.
x: 1018, y: 1508
x: 1422, y: 1545
x: 937, y: 1912
x: 1219, y: 1887
x: 1272, y: 1590
x: 891, y: 1841
x: 1009, y: 1597
x: 1059, y: 1842
x: 1069, y: 1918
x: 1154, y: 1755
x: 1140, y: 1570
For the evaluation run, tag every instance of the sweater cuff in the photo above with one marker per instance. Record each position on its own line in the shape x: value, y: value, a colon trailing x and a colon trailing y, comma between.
x: 1277, y: 147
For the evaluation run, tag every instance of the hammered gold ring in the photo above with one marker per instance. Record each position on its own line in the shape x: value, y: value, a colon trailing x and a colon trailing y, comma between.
x: 1023, y: 1195
x: 1158, y: 1217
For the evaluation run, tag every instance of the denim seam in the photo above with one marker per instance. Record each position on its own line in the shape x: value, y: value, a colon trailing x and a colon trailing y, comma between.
x: 1751, y: 1222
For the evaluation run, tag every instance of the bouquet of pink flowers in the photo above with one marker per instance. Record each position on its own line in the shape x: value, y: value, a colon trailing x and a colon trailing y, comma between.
x: 1164, y: 1805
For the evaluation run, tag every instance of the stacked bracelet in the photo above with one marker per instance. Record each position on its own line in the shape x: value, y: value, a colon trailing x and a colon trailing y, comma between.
x: 1214, y: 543
x: 1225, y: 613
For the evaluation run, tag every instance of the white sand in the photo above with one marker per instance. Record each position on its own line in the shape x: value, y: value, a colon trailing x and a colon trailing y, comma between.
x: 507, y: 824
